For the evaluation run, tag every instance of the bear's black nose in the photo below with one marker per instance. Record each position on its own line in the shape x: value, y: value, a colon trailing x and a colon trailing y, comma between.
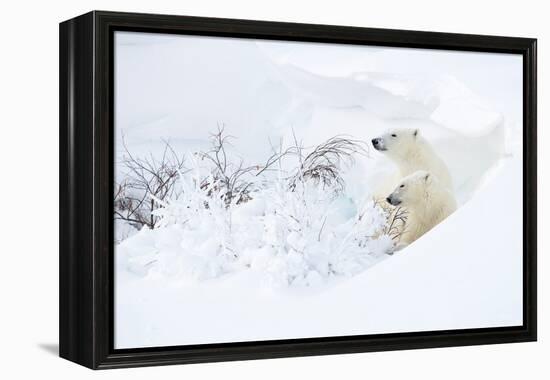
x: 388, y: 199
x: 378, y: 144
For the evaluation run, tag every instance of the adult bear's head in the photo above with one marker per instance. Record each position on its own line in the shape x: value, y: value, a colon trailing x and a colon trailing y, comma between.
x: 397, y: 142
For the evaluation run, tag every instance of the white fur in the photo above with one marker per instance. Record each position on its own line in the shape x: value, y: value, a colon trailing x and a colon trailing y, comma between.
x: 427, y: 202
x: 411, y: 152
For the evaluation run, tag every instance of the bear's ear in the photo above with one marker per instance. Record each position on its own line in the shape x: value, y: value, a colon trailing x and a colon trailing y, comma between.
x: 415, y: 133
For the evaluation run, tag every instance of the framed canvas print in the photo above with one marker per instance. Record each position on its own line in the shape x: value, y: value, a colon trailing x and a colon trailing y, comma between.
x: 238, y: 189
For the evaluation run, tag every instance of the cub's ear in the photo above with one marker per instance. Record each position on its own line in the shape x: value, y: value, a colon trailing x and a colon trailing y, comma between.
x: 415, y: 133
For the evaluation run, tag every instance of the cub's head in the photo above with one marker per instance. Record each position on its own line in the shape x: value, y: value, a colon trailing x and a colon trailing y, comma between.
x: 411, y: 190
x: 396, y: 142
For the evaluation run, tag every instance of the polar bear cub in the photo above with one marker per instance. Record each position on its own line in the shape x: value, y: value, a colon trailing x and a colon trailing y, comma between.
x: 411, y: 152
x: 427, y: 200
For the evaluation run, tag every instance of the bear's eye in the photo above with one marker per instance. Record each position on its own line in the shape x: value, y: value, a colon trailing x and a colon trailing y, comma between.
x: 402, y: 186
x: 394, y: 135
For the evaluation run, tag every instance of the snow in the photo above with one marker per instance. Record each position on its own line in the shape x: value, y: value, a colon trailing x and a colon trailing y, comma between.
x: 293, y: 236
x: 314, y: 262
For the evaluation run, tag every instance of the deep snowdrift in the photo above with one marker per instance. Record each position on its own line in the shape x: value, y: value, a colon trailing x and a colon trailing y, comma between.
x: 458, y: 276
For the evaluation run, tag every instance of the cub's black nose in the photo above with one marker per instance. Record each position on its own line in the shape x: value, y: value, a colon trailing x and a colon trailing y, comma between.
x: 374, y: 142
x: 388, y: 199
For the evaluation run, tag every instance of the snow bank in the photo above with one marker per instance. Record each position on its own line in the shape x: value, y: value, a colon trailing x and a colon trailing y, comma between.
x: 439, y: 282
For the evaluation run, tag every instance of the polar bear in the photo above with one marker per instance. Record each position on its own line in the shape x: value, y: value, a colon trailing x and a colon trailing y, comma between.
x: 410, y: 152
x: 427, y: 202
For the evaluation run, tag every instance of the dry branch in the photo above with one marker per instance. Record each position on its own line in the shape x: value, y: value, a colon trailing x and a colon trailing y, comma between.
x: 226, y: 179
x: 324, y: 163
x: 147, y: 179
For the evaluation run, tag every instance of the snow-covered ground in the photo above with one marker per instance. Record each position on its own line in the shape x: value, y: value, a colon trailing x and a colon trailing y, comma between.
x: 330, y: 276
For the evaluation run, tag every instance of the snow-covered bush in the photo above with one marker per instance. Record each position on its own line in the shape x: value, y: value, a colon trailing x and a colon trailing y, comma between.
x: 314, y: 233
x: 290, y: 218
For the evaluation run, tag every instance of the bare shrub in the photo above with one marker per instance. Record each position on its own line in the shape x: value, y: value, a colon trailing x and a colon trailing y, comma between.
x: 227, y: 178
x: 147, y: 181
x: 324, y: 163
x: 150, y: 181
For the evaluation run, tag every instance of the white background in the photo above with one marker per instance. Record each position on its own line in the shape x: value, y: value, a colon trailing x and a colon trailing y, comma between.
x: 29, y: 160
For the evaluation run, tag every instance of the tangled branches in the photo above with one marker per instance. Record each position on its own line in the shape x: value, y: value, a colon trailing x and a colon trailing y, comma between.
x: 147, y: 180
x: 395, y: 226
x: 324, y: 163
x: 226, y: 178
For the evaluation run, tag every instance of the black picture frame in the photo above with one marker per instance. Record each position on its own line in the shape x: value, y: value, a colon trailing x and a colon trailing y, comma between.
x: 86, y: 184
